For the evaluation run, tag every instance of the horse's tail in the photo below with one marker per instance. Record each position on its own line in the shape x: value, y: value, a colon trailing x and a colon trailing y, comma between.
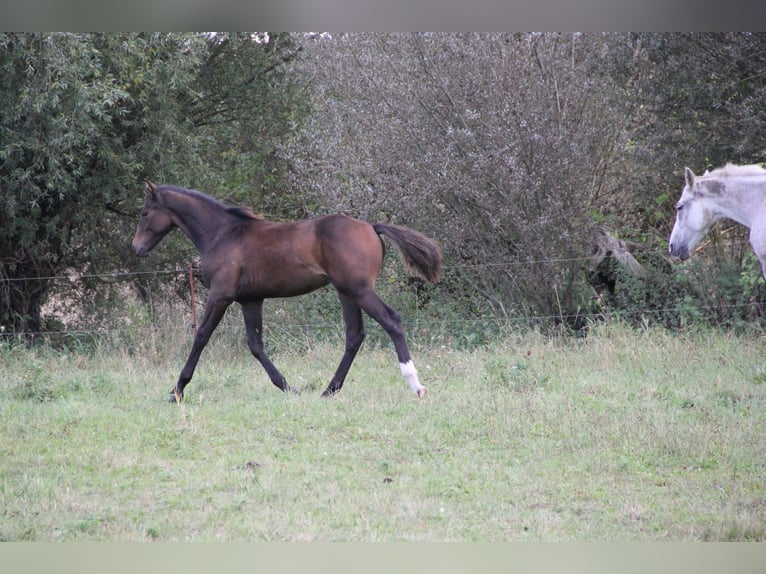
x: 421, y: 255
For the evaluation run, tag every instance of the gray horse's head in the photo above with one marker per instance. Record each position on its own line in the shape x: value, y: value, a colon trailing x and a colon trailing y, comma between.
x: 693, y: 218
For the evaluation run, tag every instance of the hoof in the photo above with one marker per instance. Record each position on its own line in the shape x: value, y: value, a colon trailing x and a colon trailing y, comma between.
x: 421, y: 392
x: 332, y: 389
x: 175, y: 397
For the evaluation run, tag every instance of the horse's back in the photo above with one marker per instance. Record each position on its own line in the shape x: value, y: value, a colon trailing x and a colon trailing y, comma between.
x: 293, y: 258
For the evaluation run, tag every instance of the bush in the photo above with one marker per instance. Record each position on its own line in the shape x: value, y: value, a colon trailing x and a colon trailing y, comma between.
x: 705, y: 291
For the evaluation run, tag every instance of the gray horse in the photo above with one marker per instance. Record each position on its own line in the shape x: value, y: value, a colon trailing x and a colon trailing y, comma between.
x: 735, y: 192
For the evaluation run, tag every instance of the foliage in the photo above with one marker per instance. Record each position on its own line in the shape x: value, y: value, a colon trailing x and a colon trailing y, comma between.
x: 85, y: 117
x: 512, y: 150
x: 712, y: 290
x: 501, y: 146
x: 249, y: 105
x: 699, y: 102
x: 710, y: 90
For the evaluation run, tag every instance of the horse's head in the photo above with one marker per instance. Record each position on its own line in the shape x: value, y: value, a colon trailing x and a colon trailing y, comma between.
x: 155, y: 223
x: 693, y: 218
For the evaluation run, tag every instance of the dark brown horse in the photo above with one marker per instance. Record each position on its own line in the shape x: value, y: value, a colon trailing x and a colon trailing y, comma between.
x: 247, y: 259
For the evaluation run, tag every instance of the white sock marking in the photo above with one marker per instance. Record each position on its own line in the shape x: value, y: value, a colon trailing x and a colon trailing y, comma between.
x: 410, y: 373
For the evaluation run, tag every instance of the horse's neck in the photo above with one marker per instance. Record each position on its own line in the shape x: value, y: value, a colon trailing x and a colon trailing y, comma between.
x: 742, y: 201
x: 199, y: 221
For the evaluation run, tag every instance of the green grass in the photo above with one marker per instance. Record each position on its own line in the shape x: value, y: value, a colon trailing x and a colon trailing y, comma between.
x: 624, y: 435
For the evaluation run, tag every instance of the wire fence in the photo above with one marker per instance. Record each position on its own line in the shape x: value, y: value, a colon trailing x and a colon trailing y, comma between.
x: 418, y: 322
x: 447, y: 268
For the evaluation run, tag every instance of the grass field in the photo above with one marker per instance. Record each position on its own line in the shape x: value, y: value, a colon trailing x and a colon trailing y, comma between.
x: 624, y: 435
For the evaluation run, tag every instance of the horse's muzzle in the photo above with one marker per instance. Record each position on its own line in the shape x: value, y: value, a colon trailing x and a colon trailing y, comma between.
x: 682, y: 251
x: 140, y: 250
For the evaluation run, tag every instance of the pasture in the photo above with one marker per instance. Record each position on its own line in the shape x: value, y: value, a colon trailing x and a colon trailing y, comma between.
x: 626, y: 435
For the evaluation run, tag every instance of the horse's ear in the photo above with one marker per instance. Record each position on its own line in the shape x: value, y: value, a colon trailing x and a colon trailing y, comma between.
x: 689, y: 175
x: 151, y: 189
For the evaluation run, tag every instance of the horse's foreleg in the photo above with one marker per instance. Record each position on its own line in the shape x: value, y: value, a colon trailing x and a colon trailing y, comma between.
x: 389, y: 319
x: 758, y: 243
x: 214, y: 311
x: 352, y: 317
x: 253, y: 314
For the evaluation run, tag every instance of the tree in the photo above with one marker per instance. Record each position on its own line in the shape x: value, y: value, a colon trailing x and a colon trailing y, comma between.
x: 503, y: 146
x: 247, y: 104
x: 84, y: 118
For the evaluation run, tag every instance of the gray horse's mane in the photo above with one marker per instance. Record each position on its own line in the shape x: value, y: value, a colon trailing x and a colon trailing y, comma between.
x: 731, y: 170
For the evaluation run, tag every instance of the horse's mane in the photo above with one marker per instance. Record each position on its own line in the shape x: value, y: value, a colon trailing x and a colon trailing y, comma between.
x: 237, y: 211
x: 731, y: 170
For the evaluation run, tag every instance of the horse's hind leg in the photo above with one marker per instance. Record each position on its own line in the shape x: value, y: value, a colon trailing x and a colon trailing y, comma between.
x: 390, y: 320
x: 253, y: 314
x: 352, y: 317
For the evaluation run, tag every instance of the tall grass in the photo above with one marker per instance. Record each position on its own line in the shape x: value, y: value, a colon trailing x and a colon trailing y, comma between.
x: 623, y: 435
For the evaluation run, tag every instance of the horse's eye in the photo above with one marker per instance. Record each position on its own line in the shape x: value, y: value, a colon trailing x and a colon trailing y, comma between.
x: 679, y: 207
x: 144, y: 214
